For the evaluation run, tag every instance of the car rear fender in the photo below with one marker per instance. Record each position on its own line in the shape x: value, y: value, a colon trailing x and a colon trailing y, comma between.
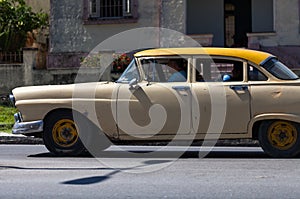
x: 256, y: 121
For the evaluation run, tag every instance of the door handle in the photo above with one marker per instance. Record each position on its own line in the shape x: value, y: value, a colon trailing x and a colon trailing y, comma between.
x: 181, y: 88
x: 239, y: 88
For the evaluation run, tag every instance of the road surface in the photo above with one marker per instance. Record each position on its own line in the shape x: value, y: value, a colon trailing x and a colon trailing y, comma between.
x: 29, y: 171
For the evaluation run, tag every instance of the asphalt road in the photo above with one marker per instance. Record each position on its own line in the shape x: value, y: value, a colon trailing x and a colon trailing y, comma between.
x: 29, y: 171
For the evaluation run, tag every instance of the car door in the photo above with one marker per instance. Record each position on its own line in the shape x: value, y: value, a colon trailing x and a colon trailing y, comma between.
x: 224, y: 101
x: 149, y: 106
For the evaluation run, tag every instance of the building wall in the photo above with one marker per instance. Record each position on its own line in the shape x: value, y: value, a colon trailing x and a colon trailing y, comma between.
x: 173, y: 15
x: 287, y: 22
x: 284, y: 42
x: 69, y: 34
x: 71, y: 38
x: 262, y: 15
x: 11, y: 76
x: 286, y: 26
x: 206, y: 17
x: 38, y: 5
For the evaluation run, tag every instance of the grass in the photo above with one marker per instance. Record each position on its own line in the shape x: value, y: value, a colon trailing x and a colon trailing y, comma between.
x: 7, y: 118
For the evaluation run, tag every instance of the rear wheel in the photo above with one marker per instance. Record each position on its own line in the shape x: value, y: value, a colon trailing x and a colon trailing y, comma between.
x: 280, y: 138
x: 61, y: 134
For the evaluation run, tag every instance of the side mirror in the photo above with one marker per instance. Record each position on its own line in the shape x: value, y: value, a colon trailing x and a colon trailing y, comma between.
x: 133, y: 84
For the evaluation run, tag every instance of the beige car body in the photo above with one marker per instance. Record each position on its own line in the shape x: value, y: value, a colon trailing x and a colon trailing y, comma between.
x: 245, y: 108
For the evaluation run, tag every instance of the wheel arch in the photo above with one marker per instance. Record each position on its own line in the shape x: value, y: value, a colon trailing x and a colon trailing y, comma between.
x: 57, y: 110
x: 255, y: 123
x: 64, y: 110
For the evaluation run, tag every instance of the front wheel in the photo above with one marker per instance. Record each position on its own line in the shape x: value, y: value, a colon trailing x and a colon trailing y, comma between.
x: 61, y: 134
x: 280, y: 138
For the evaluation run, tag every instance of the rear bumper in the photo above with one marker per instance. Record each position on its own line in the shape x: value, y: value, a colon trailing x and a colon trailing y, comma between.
x: 26, y: 127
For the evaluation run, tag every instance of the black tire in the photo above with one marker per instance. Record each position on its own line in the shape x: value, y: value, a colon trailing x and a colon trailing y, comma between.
x: 61, y: 134
x: 279, y: 138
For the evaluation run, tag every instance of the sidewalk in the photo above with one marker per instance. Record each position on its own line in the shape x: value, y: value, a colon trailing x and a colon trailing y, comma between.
x: 8, y: 138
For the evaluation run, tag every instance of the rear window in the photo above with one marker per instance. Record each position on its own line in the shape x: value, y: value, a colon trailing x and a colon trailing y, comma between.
x: 279, y: 70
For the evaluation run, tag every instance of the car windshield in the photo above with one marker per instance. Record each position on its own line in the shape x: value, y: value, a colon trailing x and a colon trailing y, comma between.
x: 130, y: 73
x: 279, y: 70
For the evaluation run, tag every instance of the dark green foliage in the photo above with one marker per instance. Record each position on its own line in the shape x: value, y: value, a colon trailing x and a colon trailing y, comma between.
x: 16, y: 19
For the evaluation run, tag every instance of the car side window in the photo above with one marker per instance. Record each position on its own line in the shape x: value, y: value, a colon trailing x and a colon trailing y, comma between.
x: 255, y: 75
x: 130, y: 73
x: 236, y: 73
x: 165, y: 69
x: 218, y: 70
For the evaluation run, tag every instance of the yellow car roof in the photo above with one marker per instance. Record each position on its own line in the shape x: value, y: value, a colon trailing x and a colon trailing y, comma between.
x: 254, y: 56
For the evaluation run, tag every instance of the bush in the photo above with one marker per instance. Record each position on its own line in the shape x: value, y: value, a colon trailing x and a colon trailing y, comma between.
x: 16, y: 19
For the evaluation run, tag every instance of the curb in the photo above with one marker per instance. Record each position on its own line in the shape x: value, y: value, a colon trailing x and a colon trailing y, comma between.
x: 6, y: 138
x: 239, y: 143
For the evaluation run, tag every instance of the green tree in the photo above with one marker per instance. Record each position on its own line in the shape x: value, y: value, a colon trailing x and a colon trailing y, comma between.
x: 16, y: 19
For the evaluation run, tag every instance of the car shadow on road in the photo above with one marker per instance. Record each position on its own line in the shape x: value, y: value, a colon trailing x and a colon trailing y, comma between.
x: 164, y: 154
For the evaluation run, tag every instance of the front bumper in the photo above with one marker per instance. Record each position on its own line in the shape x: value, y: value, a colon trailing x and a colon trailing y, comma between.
x: 24, y: 128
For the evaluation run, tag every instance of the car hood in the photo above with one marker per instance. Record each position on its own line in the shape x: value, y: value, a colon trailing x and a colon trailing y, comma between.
x: 64, y: 91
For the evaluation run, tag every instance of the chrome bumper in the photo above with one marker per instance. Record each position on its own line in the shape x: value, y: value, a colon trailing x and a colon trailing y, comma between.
x: 26, y: 127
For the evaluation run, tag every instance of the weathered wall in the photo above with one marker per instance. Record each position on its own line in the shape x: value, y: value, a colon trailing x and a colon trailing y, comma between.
x: 38, y: 5
x: 68, y: 33
x: 11, y: 76
x: 173, y: 15
x: 26, y: 74
x: 286, y: 25
x: 16, y: 75
x: 71, y: 39
x: 284, y: 42
x: 287, y: 22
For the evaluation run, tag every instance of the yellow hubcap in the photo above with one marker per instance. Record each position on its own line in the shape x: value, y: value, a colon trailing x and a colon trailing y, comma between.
x: 282, y: 135
x: 65, y: 133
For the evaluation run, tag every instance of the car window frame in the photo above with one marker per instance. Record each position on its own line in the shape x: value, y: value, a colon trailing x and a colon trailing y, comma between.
x: 260, y: 69
x: 186, y: 57
x: 212, y: 57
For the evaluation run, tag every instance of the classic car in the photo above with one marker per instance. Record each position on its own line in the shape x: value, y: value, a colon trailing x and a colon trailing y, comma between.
x: 224, y: 93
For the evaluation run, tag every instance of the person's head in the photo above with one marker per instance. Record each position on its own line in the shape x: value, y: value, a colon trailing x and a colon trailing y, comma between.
x: 237, y: 72
x: 174, y: 64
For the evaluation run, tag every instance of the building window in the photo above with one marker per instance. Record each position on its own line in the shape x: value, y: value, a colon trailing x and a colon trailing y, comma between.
x: 108, y: 11
x: 93, y: 7
x: 229, y: 24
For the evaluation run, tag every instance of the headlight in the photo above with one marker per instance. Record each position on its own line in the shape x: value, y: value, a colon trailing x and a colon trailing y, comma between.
x: 12, y: 99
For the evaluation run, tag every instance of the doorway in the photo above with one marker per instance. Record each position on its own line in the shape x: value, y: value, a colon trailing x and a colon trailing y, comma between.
x: 237, y: 22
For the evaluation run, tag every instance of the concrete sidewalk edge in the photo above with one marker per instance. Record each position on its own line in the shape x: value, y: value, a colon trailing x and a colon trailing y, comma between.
x: 6, y: 138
